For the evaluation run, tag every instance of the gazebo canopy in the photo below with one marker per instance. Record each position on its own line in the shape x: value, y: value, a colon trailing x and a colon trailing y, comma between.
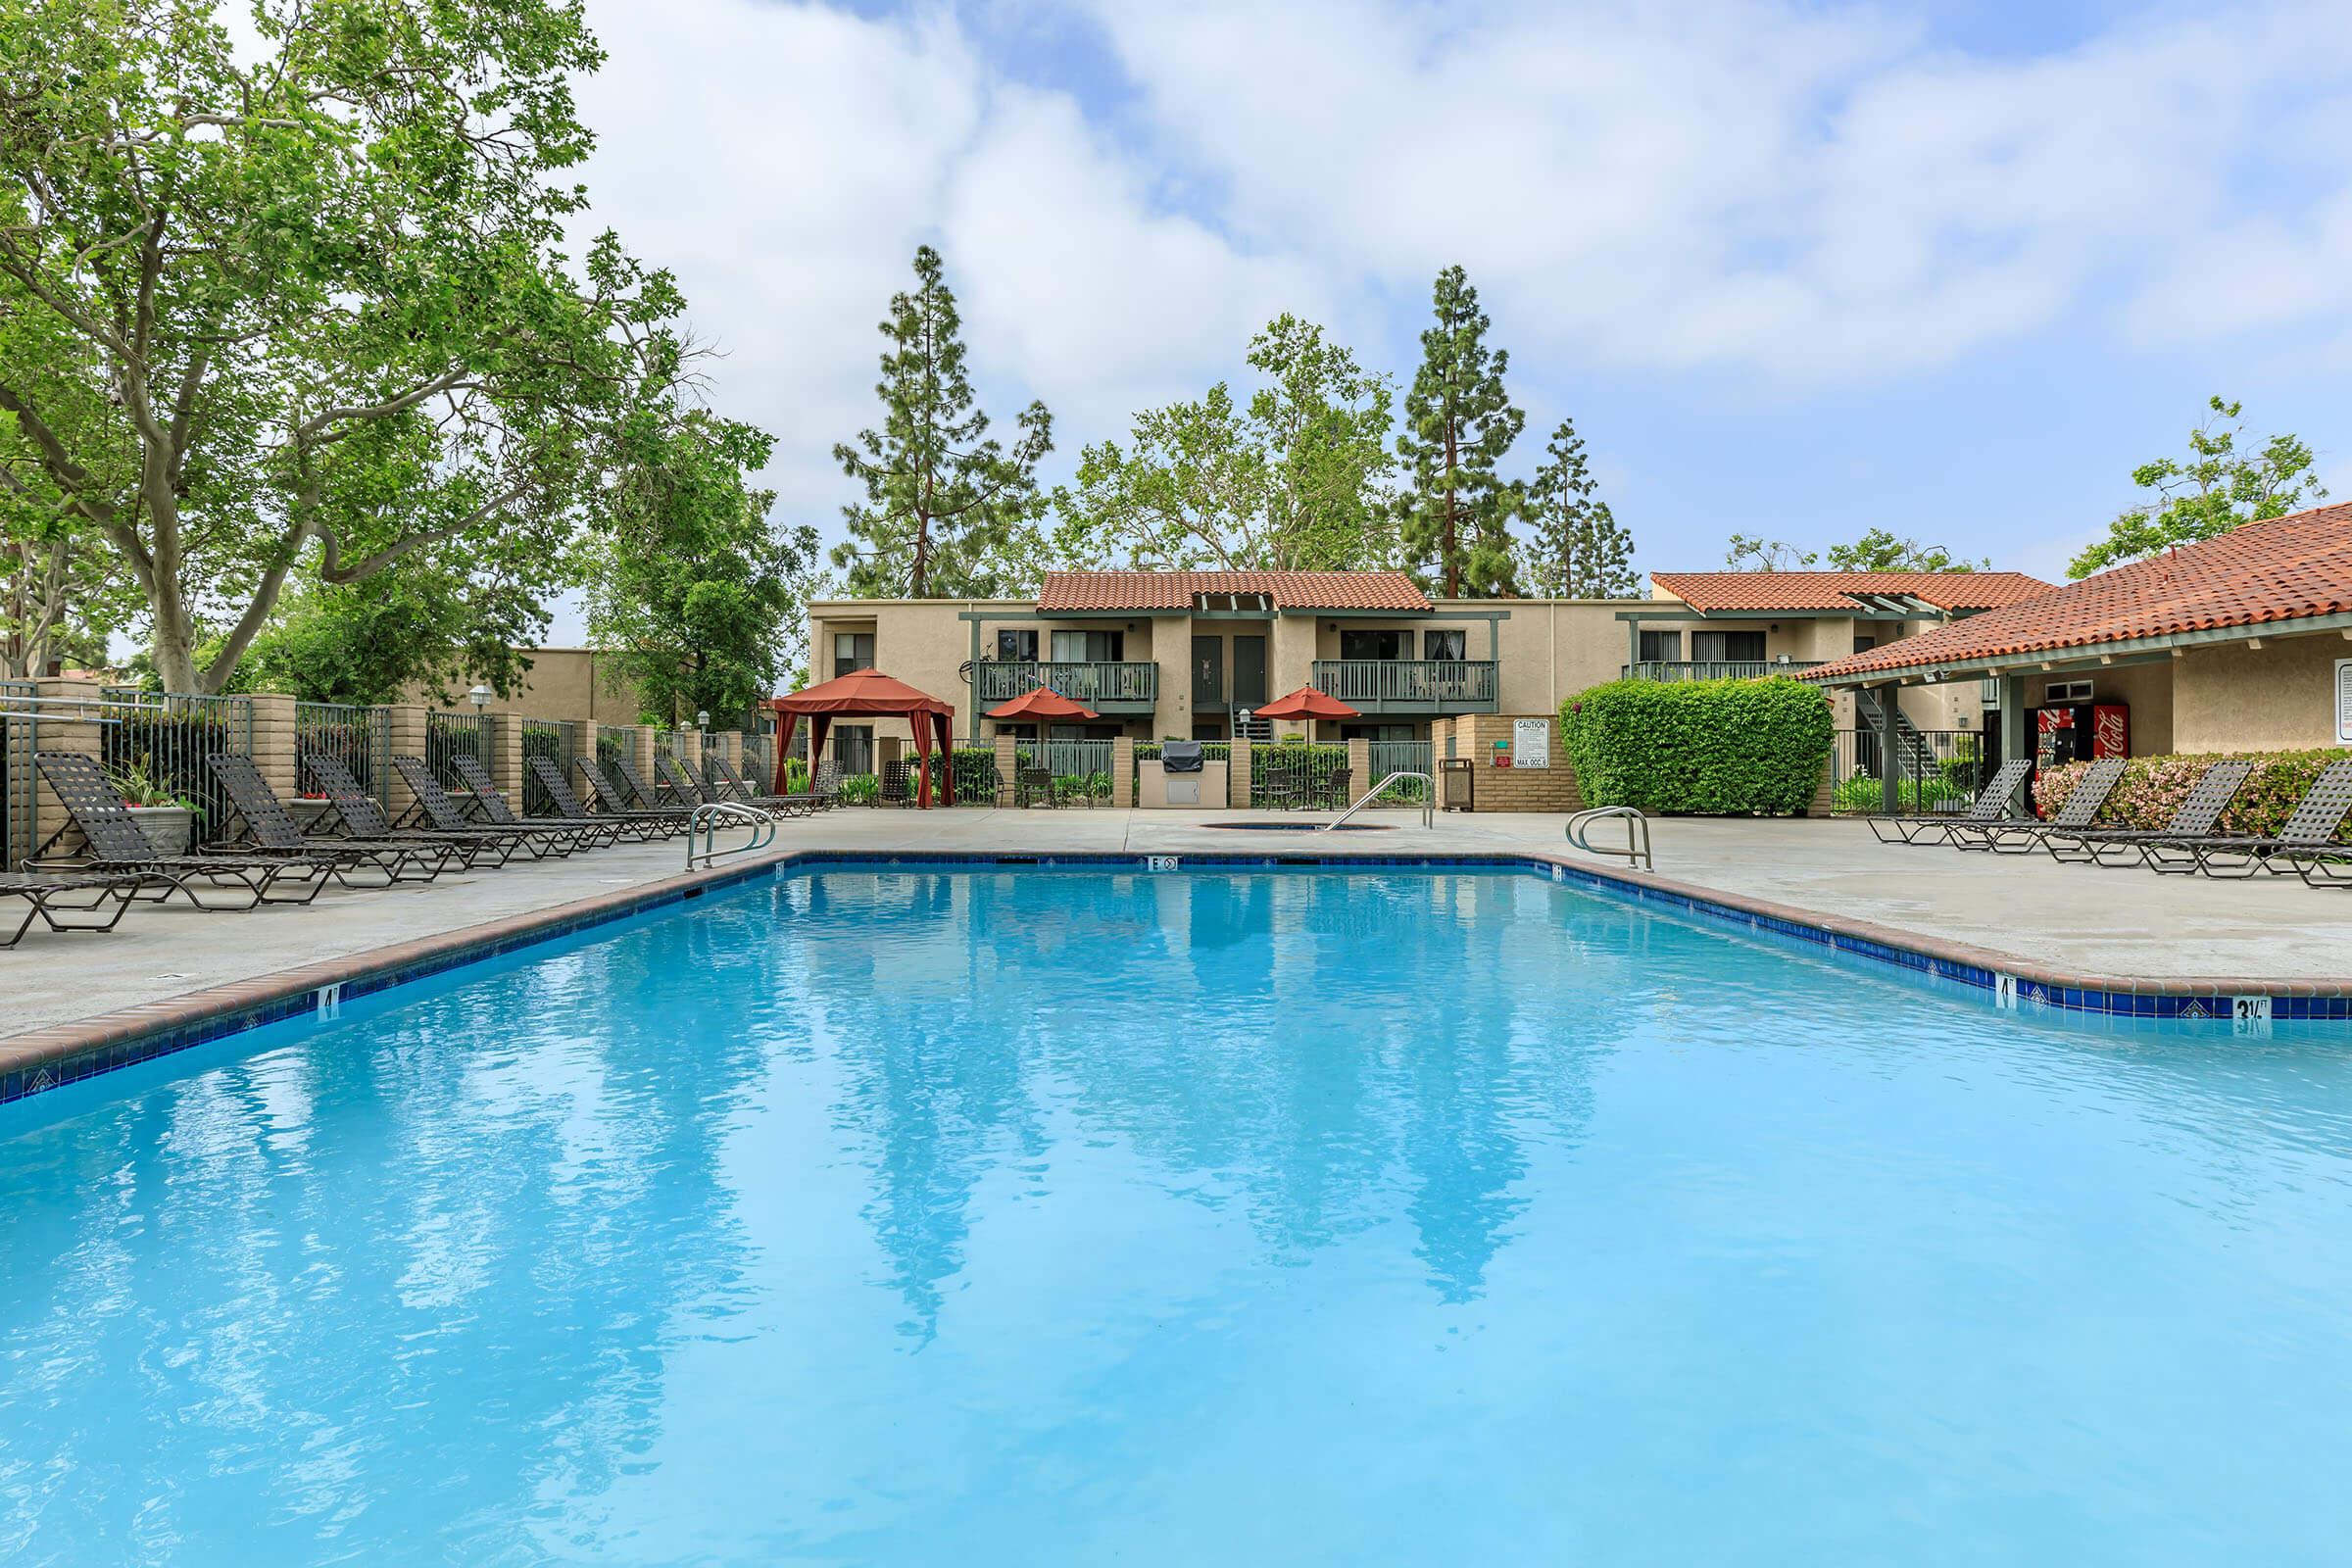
x: 868, y: 693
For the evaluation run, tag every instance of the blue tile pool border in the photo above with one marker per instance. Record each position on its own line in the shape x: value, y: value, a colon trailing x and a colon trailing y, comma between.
x: 52, y: 1058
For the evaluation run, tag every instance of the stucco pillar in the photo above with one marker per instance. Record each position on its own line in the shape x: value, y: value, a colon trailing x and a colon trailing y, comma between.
x: 1359, y: 770
x: 1890, y: 770
x: 1009, y: 762
x: 404, y: 737
x: 505, y: 762
x: 65, y: 729
x: 583, y: 752
x: 641, y: 753
x: 1237, y: 774
x: 1173, y: 650
x: 1122, y: 773
x: 2016, y: 740
x: 274, y: 743
x: 689, y: 752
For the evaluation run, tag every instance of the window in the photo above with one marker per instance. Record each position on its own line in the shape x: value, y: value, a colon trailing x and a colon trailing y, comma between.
x: 1661, y: 647
x: 1727, y: 647
x: 1376, y: 645
x: 1452, y: 645
x: 1864, y: 643
x: 1020, y: 646
x: 854, y: 747
x: 1088, y: 646
x: 852, y: 650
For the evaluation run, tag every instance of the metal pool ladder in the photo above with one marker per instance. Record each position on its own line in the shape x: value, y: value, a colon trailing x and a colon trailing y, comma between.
x: 705, y: 821
x: 1428, y: 799
x: 1637, y: 834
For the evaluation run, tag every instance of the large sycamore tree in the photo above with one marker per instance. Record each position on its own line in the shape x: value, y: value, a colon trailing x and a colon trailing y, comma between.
x: 2225, y: 481
x: 1458, y: 422
x: 301, y: 301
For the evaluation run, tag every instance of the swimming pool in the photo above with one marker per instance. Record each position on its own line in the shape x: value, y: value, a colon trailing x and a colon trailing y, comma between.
x: 923, y: 1214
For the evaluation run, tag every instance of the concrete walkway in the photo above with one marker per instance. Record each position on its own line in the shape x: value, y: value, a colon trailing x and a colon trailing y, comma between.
x: 2119, y: 923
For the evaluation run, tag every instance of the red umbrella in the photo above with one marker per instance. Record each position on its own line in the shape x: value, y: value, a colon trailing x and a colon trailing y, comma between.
x: 1307, y: 703
x: 1042, y: 703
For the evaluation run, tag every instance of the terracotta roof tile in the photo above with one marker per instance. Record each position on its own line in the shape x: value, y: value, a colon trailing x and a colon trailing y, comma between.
x: 1175, y: 590
x: 2286, y: 568
x: 1723, y: 592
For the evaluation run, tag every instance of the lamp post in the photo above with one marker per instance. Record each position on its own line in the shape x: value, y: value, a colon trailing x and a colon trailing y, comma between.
x: 479, y: 697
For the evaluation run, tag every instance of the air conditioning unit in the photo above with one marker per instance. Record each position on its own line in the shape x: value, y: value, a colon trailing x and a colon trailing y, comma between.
x: 2066, y: 691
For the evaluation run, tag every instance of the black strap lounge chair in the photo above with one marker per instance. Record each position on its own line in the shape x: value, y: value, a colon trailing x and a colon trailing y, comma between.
x: 682, y: 787
x: 491, y: 807
x: 111, y: 840
x: 2079, y: 809
x: 897, y: 785
x: 65, y: 900
x: 263, y: 826
x: 608, y: 796
x: 2196, y: 818
x: 362, y: 819
x: 641, y: 827
x: 729, y: 785
x: 2306, y: 844
x: 1992, y: 804
x: 435, y: 810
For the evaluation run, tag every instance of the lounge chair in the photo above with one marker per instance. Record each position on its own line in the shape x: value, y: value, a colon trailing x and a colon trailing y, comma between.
x: 683, y: 788
x: 652, y: 800
x: 362, y: 819
x: 2196, y: 818
x: 44, y: 896
x: 433, y: 808
x: 1991, y: 805
x: 112, y: 841
x: 493, y: 809
x: 729, y: 785
x: 643, y: 827
x: 608, y: 796
x: 2079, y: 809
x: 265, y: 828
x: 2305, y: 845
x: 896, y: 786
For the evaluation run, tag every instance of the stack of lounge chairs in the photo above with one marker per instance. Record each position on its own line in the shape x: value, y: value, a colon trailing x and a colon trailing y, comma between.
x: 2305, y: 846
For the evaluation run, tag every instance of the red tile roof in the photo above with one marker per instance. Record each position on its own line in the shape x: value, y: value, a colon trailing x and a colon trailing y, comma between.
x: 2285, y: 570
x: 1728, y: 592
x: 1175, y: 590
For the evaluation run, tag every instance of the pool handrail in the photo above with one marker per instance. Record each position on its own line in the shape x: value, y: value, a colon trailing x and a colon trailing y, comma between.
x: 705, y: 820
x: 1637, y: 834
x: 1429, y: 811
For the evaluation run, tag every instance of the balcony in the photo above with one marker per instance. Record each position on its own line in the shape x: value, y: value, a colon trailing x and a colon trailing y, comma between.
x: 1716, y: 668
x: 1125, y: 686
x: 1410, y: 685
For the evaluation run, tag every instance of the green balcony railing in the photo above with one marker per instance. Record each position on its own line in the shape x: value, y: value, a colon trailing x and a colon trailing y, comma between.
x: 1100, y: 685
x: 1410, y: 685
x: 1716, y: 668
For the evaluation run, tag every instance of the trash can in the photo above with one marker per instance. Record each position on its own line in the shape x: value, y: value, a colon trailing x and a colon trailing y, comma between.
x: 1457, y: 784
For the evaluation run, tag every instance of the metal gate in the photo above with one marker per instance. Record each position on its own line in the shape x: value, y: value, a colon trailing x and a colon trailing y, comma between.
x: 20, y: 737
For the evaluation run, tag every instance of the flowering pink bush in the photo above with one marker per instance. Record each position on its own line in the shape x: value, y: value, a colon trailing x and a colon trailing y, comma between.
x: 2152, y: 789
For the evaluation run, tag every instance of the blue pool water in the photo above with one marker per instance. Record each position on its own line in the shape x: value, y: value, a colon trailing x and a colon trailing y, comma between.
x: 1282, y: 1217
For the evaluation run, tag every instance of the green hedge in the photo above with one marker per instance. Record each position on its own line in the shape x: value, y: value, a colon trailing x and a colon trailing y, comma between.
x: 2152, y: 789
x: 1707, y: 747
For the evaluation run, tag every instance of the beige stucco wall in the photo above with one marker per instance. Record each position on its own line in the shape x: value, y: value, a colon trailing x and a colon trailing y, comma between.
x: 2273, y: 697
x: 563, y: 683
x: 2146, y: 689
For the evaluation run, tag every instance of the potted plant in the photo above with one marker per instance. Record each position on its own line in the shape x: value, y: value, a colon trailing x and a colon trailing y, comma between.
x: 309, y: 809
x: 166, y: 817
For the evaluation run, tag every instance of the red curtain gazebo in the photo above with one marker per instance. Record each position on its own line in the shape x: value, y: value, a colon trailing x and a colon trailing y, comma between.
x: 868, y: 694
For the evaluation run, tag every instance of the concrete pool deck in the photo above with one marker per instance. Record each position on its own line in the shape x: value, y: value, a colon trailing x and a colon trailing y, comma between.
x: 2125, y: 924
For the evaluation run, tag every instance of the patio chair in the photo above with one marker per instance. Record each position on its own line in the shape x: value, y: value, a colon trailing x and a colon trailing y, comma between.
x: 897, y: 785
x: 730, y: 785
x: 2196, y: 818
x: 1280, y: 789
x: 1333, y: 795
x: 2017, y: 835
x: 494, y: 811
x: 2306, y: 844
x: 643, y: 827
x: 1991, y: 805
x: 263, y: 827
x: 1032, y: 786
x: 641, y: 798
x: 435, y: 810
x: 362, y: 819
x: 112, y: 841
x: 608, y: 796
x: 45, y: 898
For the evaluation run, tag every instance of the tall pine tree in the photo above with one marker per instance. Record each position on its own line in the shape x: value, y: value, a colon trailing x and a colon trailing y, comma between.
x: 949, y: 512
x: 1580, y: 552
x: 1458, y: 422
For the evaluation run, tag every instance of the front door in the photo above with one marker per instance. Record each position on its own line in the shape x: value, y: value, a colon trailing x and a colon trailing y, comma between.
x: 1249, y: 671
x: 1208, y: 672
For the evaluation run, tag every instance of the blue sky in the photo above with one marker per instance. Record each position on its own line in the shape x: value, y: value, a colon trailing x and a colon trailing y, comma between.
x: 1798, y: 270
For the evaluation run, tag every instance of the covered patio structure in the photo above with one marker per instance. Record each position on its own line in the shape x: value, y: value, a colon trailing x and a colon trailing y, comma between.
x: 868, y: 694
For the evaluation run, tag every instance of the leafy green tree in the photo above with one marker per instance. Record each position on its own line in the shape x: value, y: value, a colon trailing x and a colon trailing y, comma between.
x: 1458, y: 422
x: 948, y: 512
x: 1293, y: 480
x: 311, y: 303
x: 1759, y: 553
x: 2221, y: 486
x: 1879, y: 550
x: 1580, y: 550
x: 700, y: 597
x: 436, y: 622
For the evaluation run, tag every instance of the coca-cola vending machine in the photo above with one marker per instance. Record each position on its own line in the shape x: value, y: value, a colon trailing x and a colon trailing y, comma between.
x: 2079, y: 732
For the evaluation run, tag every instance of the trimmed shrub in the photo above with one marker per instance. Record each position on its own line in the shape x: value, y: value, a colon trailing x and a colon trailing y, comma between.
x: 2152, y: 789
x: 1707, y: 747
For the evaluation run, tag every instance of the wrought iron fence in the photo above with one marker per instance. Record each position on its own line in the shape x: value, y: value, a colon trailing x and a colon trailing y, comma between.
x: 451, y: 734
x: 554, y: 739
x: 20, y: 738
x: 1392, y: 756
x: 1295, y: 776
x: 1080, y: 769
x: 759, y: 759
x: 665, y: 743
x: 155, y: 746
x: 977, y: 781
x: 360, y: 738
x: 1936, y: 770
x: 611, y: 743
